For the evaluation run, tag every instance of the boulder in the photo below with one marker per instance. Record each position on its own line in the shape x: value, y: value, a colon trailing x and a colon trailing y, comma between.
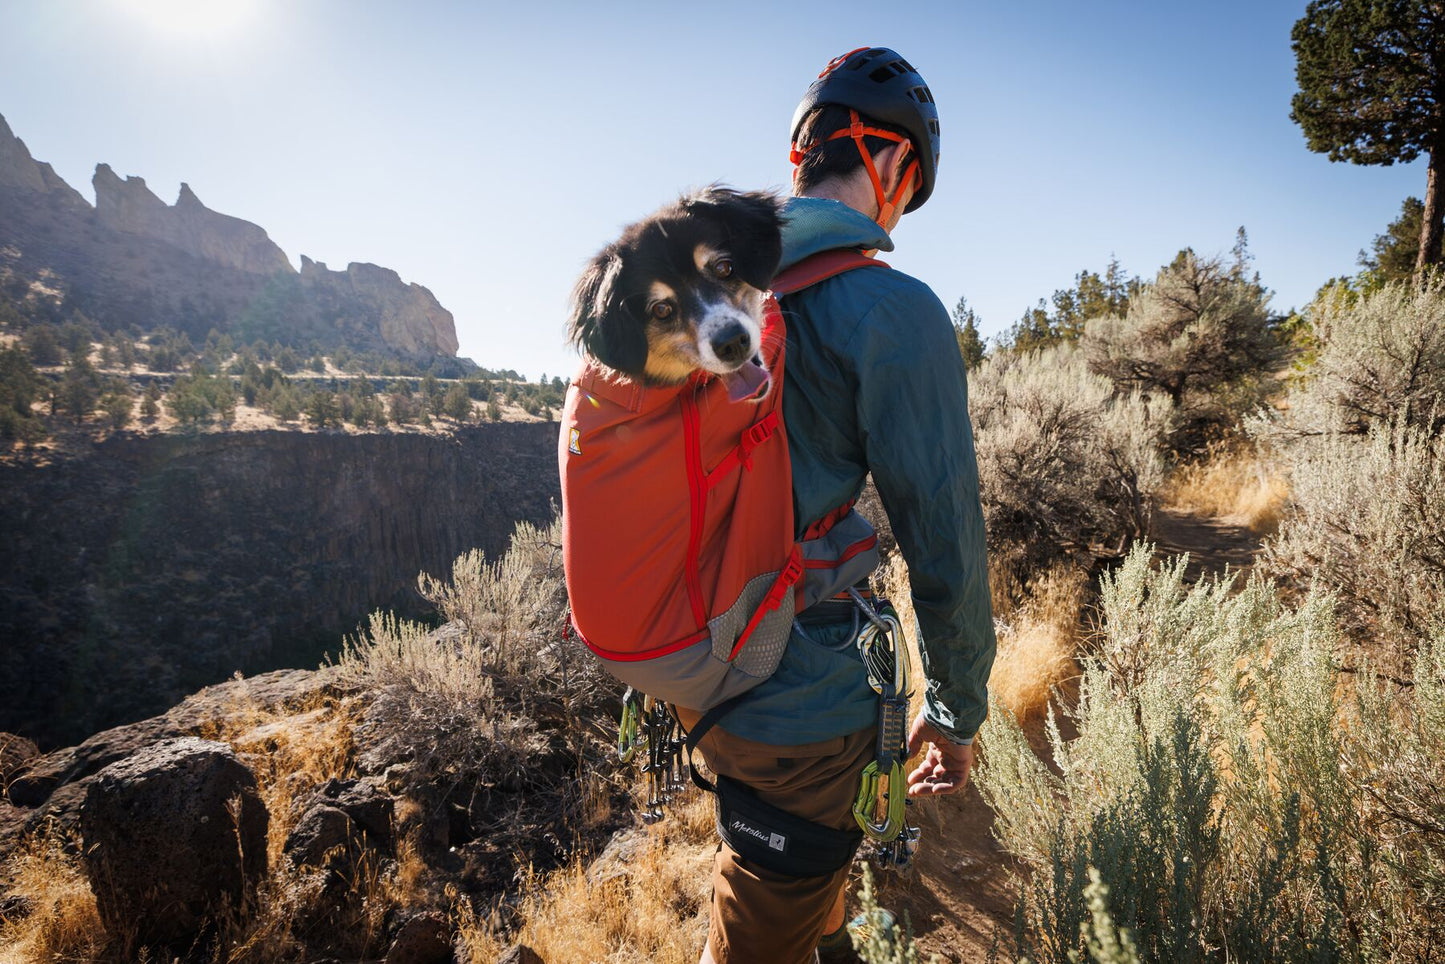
x: 165, y: 846
x: 16, y: 753
x: 424, y: 938
x: 520, y: 954
x: 342, y: 818
x: 279, y: 689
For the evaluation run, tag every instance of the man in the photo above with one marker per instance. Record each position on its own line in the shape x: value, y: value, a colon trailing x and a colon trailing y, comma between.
x: 874, y: 383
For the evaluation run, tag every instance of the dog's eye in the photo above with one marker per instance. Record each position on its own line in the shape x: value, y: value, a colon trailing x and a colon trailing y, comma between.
x: 722, y: 268
x: 661, y: 310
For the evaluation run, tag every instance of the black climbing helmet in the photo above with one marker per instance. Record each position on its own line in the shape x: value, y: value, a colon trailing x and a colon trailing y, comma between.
x: 878, y: 83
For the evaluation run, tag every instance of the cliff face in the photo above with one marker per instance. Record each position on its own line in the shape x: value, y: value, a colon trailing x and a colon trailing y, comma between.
x: 132, y: 259
x: 154, y: 566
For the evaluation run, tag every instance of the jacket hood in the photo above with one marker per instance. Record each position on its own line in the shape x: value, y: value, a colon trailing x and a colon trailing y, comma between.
x: 813, y: 224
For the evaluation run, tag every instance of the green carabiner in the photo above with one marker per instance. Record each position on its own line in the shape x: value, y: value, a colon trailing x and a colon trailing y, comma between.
x: 881, y: 816
x: 628, y: 726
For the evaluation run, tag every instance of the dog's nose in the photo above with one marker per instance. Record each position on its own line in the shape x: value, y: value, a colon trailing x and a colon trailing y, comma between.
x: 732, y: 345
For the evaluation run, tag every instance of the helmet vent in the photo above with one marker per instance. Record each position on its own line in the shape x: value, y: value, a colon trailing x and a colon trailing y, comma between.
x: 933, y: 126
x: 921, y: 94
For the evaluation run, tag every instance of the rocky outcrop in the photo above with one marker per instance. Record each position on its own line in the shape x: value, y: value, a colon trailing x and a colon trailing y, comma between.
x: 342, y: 819
x: 171, y: 835
x: 411, y: 318
x: 155, y: 566
x: 134, y: 260
x: 130, y: 207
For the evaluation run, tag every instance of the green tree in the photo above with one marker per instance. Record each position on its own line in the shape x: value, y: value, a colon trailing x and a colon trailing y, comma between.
x: 150, y: 403
x: 1371, y: 77
x: 43, y: 346
x: 457, y: 403
x: 1092, y: 296
x: 79, y: 388
x: 965, y: 330
x: 322, y: 409
x: 19, y: 388
x: 117, y: 405
x: 1394, y: 254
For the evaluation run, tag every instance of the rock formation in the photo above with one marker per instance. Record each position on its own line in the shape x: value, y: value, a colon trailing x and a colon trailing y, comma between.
x: 130, y: 207
x: 171, y: 835
x: 132, y: 259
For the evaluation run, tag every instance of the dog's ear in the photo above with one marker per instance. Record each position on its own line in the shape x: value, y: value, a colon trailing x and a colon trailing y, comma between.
x: 601, y: 323
x: 754, y: 222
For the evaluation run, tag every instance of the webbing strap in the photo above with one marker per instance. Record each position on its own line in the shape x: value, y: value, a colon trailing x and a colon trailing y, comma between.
x: 857, y: 130
x: 699, y: 729
x: 742, y: 454
x: 820, y: 267
x: 791, y: 572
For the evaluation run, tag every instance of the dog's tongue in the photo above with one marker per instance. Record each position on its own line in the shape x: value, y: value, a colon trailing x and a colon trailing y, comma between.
x: 747, y: 381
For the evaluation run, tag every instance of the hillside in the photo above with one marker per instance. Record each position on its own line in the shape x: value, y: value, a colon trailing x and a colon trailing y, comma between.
x: 133, y: 262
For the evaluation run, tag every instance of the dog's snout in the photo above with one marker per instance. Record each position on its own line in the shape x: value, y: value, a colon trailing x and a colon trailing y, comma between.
x: 732, y: 344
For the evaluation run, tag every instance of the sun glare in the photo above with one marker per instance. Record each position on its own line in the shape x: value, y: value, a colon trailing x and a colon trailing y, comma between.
x: 192, y: 19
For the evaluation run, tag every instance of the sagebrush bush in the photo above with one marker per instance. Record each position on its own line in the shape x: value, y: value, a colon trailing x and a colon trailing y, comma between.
x: 1199, y: 335
x: 1379, y: 357
x: 1367, y: 518
x: 1237, y: 799
x: 1065, y: 464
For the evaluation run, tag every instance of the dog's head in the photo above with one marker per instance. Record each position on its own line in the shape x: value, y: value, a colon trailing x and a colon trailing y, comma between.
x: 682, y: 289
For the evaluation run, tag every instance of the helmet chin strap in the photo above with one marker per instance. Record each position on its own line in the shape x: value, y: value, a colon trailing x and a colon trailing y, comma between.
x: 886, y: 205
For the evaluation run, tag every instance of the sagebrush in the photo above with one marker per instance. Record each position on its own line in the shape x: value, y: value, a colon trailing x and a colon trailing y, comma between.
x: 1228, y: 785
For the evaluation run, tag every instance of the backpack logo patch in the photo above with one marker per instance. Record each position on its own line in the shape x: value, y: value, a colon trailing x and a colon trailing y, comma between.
x: 574, y: 441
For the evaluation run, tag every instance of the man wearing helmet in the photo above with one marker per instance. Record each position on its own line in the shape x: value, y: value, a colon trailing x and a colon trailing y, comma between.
x: 874, y: 384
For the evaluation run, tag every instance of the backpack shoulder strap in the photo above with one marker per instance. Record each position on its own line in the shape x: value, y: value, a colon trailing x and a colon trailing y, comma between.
x: 820, y: 267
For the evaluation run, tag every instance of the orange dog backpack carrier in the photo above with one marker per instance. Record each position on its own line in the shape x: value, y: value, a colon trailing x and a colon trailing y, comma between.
x: 678, y: 540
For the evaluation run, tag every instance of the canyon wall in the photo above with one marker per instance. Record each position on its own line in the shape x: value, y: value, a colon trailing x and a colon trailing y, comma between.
x: 152, y: 566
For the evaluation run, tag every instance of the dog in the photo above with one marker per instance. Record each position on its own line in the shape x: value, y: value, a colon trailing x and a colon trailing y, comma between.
x: 683, y: 290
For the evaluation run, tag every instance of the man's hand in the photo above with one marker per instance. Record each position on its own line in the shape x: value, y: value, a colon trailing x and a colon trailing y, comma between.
x: 944, y: 768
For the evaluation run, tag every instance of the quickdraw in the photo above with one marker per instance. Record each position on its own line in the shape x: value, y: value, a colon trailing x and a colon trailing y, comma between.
x: 880, y: 808
x: 647, y: 723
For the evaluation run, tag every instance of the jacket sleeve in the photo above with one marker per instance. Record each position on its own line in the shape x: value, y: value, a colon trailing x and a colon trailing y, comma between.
x: 912, y: 403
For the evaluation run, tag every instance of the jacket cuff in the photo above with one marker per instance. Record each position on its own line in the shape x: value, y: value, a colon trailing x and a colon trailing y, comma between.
x: 942, y: 720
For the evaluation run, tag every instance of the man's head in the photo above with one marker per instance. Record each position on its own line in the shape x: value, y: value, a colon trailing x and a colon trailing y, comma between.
x: 869, y: 111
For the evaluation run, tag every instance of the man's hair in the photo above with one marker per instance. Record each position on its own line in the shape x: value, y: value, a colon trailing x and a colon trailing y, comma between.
x: 838, y: 158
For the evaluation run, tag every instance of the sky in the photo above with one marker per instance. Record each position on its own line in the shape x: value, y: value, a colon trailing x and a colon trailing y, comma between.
x: 487, y: 150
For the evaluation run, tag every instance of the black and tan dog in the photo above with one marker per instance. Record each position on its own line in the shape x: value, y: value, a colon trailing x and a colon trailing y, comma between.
x: 682, y: 290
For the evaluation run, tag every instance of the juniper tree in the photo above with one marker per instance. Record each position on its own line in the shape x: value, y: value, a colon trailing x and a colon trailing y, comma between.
x: 965, y: 330
x: 1371, y: 75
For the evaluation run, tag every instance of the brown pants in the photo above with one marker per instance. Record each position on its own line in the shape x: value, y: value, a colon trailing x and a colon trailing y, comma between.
x: 762, y: 917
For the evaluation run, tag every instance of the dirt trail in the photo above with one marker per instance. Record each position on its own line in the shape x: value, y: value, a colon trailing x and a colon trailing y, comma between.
x: 1212, y: 543
x: 959, y: 894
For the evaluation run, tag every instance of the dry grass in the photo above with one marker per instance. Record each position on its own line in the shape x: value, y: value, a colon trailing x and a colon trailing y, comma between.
x: 1234, y: 484
x: 1038, y: 632
x: 1036, y: 644
x: 652, y: 908
x: 63, y: 923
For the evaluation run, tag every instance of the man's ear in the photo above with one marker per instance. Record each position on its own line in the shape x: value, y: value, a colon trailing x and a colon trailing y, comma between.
x: 753, y: 220
x: 895, y: 160
x: 601, y: 323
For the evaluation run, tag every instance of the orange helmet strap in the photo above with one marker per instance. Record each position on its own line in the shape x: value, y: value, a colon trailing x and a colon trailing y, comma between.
x: 857, y: 131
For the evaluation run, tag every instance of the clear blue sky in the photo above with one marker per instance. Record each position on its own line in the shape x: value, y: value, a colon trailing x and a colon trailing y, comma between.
x: 486, y: 150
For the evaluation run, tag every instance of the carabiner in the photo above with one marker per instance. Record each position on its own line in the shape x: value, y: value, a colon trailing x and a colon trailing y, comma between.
x: 628, y: 741
x: 880, y: 807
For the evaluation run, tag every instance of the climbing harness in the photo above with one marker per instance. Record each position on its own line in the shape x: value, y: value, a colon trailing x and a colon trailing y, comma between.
x: 646, y: 723
x: 882, y: 803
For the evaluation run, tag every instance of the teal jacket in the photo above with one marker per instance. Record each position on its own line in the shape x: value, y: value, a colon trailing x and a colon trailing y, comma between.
x: 874, y: 382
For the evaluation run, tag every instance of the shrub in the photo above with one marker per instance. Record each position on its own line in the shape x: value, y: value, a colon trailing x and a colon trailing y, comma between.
x: 1367, y: 518
x: 492, y: 711
x: 1199, y: 335
x: 1380, y: 356
x: 1065, y: 465
x: 458, y: 403
x: 1238, y: 801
